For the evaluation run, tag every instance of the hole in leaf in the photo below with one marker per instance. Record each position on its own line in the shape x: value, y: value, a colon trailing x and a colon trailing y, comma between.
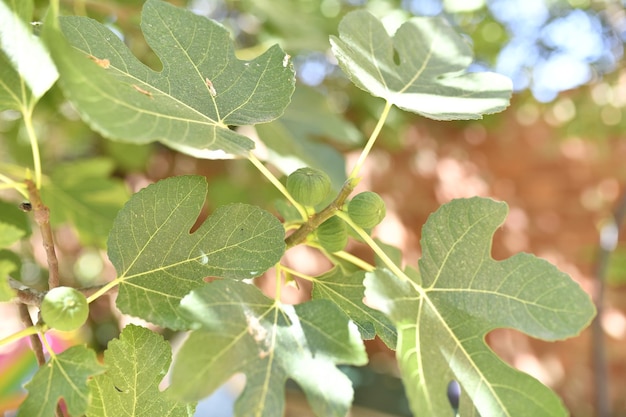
x: 454, y: 394
x: 396, y: 56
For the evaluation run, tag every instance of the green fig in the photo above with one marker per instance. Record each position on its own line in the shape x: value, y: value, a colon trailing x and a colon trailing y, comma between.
x: 367, y: 209
x: 64, y: 308
x: 332, y: 235
x: 308, y: 186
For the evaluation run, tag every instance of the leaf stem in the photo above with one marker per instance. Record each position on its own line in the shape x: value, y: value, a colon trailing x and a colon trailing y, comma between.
x: 266, y: 172
x: 28, y: 331
x: 53, y: 355
x: 296, y: 273
x: 32, y: 136
x: 395, y: 269
x: 355, y: 260
x: 370, y: 142
x: 17, y: 186
x: 279, y: 284
x: 103, y: 289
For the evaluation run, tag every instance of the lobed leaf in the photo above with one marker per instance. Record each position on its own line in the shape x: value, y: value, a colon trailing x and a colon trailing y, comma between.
x: 241, y: 330
x: 463, y: 294
x: 422, y: 69
x: 159, y: 261
x: 189, y: 105
x: 64, y: 376
x: 136, y: 362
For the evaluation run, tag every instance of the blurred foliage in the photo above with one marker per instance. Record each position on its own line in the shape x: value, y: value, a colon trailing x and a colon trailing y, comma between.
x: 302, y: 28
x: 593, y: 112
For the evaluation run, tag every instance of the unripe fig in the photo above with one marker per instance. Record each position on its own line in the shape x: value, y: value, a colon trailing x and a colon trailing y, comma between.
x: 332, y: 235
x: 64, y: 308
x: 367, y: 209
x: 308, y: 186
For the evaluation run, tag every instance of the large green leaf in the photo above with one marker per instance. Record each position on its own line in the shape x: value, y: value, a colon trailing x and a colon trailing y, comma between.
x: 64, y: 376
x: 136, y: 363
x: 84, y: 194
x: 241, y: 330
x: 26, y: 69
x: 159, y: 261
x: 346, y: 290
x: 189, y: 104
x: 422, y: 69
x: 463, y: 294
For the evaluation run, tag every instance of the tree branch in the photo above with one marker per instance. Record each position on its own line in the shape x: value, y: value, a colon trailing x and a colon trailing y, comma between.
x: 42, y: 218
x: 318, y: 218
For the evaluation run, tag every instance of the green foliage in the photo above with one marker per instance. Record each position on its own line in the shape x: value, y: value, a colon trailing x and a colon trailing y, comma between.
x: 136, y: 362
x: 420, y: 69
x: 25, y: 66
x: 158, y: 260
x: 346, y: 290
x: 84, y: 195
x: 64, y: 376
x: 6, y: 267
x: 461, y: 294
x: 13, y: 224
x: 189, y: 104
x: 182, y: 271
x: 241, y: 330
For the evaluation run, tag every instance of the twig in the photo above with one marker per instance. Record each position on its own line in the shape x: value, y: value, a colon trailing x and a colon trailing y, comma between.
x: 609, y: 235
x: 42, y: 218
x: 318, y: 218
x: 34, y: 338
x: 25, y: 294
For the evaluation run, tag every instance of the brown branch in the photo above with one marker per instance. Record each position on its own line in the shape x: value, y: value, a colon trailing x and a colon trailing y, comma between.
x: 34, y: 338
x: 318, y: 218
x: 25, y: 294
x: 42, y: 218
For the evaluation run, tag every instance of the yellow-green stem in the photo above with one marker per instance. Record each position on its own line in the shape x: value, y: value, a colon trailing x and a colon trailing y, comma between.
x: 370, y: 142
x: 105, y: 288
x: 296, y: 273
x: 279, y: 285
x: 17, y: 186
x: 53, y: 355
x: 17, y: 336
x: 266, y: 172
x: 377, y: 250
x: 346, y: 256
x: 32, y: 137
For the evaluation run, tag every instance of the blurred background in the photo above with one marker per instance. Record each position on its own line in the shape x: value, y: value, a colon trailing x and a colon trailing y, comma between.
x: 556, y: 156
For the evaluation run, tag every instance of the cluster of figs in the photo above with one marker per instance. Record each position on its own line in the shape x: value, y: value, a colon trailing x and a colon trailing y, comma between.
x: 310, y: 187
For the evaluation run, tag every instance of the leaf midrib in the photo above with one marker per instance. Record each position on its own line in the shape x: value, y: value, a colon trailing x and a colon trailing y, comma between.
x: 460, y: 347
